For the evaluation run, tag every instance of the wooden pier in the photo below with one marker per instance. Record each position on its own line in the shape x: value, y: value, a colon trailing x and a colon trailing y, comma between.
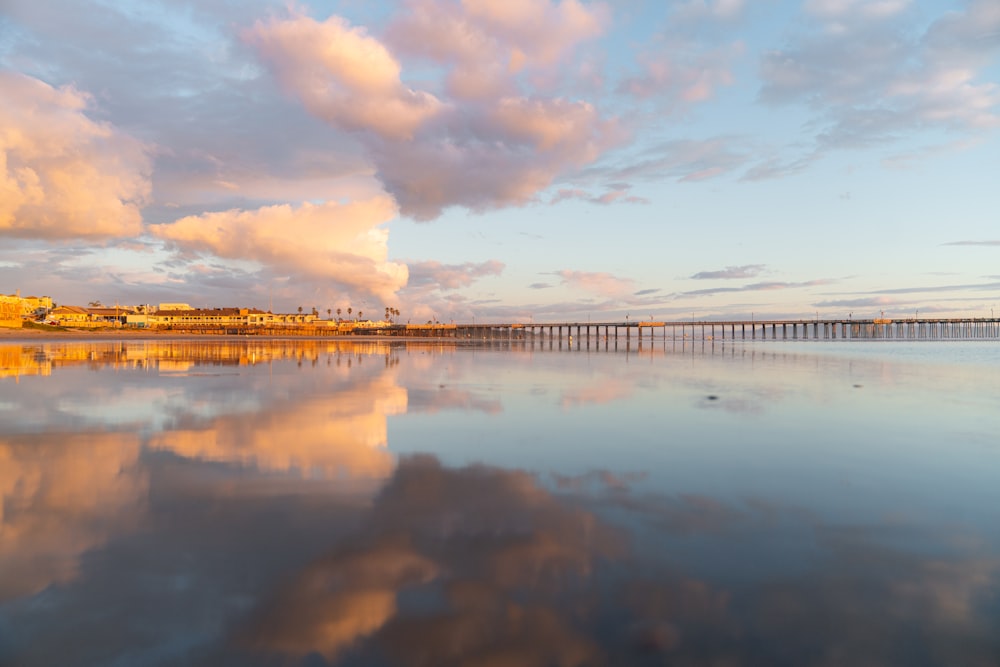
x: 740, y: 330
x: 640, y: 331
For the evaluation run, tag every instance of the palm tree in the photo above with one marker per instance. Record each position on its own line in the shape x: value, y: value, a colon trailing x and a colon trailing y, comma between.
x: 300, y: 310
x: 329, y: 313
x: 348, y: 311
x: 360, y: 314
x: 387, y: 309
x: 338, y: 314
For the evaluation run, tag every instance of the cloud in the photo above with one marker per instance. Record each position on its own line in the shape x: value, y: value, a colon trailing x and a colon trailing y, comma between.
x: 973, y: 287
x: 616, y: 194
x: 876, y: 301
x: 504, y: 157
x: 682, y: 72
x: 759, y: 287
x: 487, y: 46
x: 540, y: 286
x: 870, y: 79
x: 686, y: 160
x: 995, y: 242
x: 344, y: 243
x: 602, y: 283
x: 63, y: 175
x: 342, y: 75
x: 498, y: 147
x: 731, y: 272
x: 451, y: 276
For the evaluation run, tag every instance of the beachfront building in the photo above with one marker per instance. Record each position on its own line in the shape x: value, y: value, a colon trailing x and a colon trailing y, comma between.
x: 27, y: 307
x: 10, y: 311
x: 205, y: 317
x: 89, y: 318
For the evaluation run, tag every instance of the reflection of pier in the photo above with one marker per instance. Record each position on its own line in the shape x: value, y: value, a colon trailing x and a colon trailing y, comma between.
x: 739, y: 330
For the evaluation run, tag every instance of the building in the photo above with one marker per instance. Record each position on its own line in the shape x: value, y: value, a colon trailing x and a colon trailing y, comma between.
x: 210, y: 317
x: 10, y: 311
x: 90, y: 318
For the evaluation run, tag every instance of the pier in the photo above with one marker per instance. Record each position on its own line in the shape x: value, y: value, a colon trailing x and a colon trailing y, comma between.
x: 745, y: 330
x: 907, y: 329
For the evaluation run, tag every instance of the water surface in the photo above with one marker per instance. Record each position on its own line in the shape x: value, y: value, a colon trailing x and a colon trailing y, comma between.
x: 364, y: 503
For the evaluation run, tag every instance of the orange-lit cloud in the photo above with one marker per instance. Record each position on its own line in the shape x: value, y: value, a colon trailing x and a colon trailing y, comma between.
x: 63, y: 175
x: 345, y: 243
x: 493, y: 539
x: 60, y: 495
x: 338, y: 600
x: 340, y: 436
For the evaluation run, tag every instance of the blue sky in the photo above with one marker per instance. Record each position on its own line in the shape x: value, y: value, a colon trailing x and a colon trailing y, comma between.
x: 505, y: 160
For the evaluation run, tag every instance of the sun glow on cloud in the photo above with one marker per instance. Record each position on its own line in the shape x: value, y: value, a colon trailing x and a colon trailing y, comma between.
x: 345, y: 243
x: 63, y: 175
x: 497, y: 146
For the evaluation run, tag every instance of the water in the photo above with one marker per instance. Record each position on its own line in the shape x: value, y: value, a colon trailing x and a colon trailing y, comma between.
x: 339, y: 503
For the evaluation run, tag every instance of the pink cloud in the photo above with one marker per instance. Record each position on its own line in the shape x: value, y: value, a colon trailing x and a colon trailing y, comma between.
x: 63, y: 175
x: 452, y: 276
x: 345, y: 243
x: 342, y: 75
x: 601, y: 283
x: 490, y: 144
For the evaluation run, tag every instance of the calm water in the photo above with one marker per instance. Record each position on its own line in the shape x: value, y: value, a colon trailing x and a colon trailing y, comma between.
x: 332, y: 503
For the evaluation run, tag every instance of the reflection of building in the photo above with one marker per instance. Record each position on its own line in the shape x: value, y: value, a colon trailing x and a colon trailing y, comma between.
x: 18, y: 360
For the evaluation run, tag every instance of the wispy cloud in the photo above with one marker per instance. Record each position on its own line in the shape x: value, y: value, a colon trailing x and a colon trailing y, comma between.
x: 974, y: 287
x: 760, y: 287
x: 731, y: 272
x: 604, y: 284
x: 870, y: 79
x: 617, y: 194
x: 995, y: 242
x: 451, y: 276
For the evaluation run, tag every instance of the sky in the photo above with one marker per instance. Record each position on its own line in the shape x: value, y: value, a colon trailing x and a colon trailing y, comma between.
x: 505, y: 160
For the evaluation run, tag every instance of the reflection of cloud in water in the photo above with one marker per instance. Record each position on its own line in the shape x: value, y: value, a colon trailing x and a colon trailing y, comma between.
x: 61, y: 495
x: 444, y: 398
x: 341, y: 434
x: 495, y: 546
x: 483, y: 566
x: 599, y: 391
